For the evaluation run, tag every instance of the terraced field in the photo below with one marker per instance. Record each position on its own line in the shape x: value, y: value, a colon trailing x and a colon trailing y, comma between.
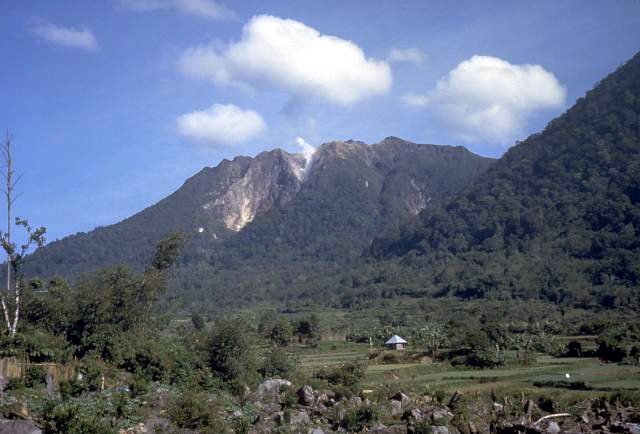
x: 548, y: 373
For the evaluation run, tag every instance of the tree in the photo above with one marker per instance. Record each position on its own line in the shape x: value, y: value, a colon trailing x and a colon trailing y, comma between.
x: 233, y: 353
x: 434, y: 336
x: 15, y: 253
x: 282, y: 332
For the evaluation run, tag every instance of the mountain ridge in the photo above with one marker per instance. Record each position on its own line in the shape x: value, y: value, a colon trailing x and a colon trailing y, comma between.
x: 218, y: 203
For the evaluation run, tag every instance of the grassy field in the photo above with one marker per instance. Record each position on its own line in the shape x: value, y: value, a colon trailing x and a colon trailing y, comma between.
x: 428, y: 377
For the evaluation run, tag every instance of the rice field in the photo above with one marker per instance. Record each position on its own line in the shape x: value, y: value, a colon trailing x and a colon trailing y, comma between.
x: 597, y: 377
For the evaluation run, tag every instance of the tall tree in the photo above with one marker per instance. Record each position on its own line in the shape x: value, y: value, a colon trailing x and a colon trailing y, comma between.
x: 15, y: 253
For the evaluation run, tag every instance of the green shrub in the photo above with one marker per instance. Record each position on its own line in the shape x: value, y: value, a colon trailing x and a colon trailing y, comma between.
x: 15, y: 384
x: 34, y: 376
x: 348, y: 374
x: 278, y: 363
x: 139, y: 386
x: 70, y: 418
x: 192, y: 410
x: 356, y: 419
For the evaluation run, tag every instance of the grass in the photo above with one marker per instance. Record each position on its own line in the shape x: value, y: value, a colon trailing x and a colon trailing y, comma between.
x: 417, y: 377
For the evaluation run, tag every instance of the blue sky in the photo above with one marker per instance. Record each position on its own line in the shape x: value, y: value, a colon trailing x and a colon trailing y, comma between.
x: 113, y: 104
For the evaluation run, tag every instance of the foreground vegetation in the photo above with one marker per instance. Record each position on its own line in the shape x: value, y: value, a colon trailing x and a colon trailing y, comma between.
x: 122, y: 365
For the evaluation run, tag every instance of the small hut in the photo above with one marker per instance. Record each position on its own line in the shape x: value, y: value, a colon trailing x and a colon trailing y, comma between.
x: 395, y: 342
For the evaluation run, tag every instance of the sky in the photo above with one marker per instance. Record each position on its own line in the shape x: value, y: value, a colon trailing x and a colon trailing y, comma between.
x: 112, y: 104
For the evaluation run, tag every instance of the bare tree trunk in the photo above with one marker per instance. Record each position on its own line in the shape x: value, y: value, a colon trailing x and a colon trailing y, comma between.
x: 14, y: 253
x: 5, y: 311
x: 9, y: 197
x: 14, y: 327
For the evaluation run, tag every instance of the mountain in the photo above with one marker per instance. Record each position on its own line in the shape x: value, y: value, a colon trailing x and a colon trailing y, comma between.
x: 256, y: 224
x: 557, y: 217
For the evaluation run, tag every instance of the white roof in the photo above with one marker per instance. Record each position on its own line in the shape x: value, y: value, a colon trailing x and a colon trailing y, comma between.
x: 395, y: 339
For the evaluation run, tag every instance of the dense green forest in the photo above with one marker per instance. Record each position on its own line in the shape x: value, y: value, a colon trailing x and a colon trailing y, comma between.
x: 556, y: 218
x: 354, y: 193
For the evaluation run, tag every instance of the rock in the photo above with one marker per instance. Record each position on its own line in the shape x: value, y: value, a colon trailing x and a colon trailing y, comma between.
x: 380, y: 429
x: 18, y: 427
x: 472, y: 428
x: 320, y: 409
x: 552, y: 428
x: 298, y: 417
x: 529, y: 406
x: 395, y: 408
x: 440, y: 415
x: 278, y: 417
x: 305, y: 396
x: 455, y: 398
x: 271, y: 407
x: 272, y: 387
x: 322, y: 398
x: 356, y: 401
x: 401, y: 397
x: 315, y: 431
x: 631, y: 428
x: 584, y: 418
x: 416, y: 414
x: 138, y: 429
x: 237, y: 413
x: 439, y: 429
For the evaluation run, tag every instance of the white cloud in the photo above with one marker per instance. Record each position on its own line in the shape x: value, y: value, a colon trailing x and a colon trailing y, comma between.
x: 67, y: 37
x: 290, y: 56
x: 415, y: 99
x: 410, y: 55
x: 221, y: 125
x: 203, y: 8
x: 490, y: 99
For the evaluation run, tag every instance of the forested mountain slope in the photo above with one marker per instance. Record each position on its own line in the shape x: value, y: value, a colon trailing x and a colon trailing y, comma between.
x: 253, y: 223
x: 557, y: 217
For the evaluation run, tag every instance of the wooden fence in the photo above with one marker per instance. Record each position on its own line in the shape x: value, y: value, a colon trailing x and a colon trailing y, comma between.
x: 14, y: 368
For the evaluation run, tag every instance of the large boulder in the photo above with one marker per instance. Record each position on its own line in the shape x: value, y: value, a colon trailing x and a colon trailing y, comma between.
x: 18, y: 427
x: 272, y: 387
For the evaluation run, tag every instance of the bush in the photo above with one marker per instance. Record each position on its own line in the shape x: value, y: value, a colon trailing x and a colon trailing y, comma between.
x: 83, y: 417
x: 356, y: 419
x: 348, y: 375
x: 193, y: 411
x: 139, y: 386
x: 278, y: 363
x: 34, y: 376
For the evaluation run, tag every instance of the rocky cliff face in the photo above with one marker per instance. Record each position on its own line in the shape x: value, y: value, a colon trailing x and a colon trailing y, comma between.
x: 253, y: 186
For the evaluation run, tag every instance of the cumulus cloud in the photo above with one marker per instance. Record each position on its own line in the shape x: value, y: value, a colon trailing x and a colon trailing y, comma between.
x: 487, y: 98
x: 67, y: 37
x: 203, y: 8
x: 410, y: 55
x: 290, y: 56
x: 221, y: 125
